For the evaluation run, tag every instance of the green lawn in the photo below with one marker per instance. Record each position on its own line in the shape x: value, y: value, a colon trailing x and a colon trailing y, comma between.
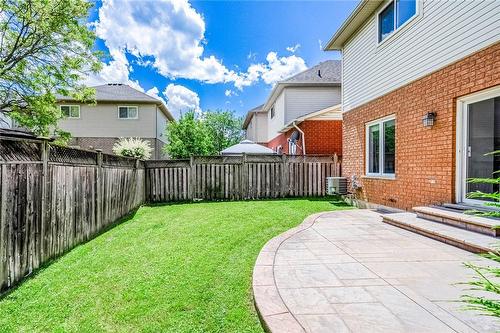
x: 171, y: 268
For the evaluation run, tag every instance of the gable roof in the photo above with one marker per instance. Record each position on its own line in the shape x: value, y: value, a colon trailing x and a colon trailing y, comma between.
x: 329, y: 71
x: 118, y: 92
x: 250, y: 114
x: 325, y: 74
x: 357, y: 18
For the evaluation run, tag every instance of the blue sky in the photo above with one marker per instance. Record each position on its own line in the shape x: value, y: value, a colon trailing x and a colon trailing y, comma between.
x: 212, y: 54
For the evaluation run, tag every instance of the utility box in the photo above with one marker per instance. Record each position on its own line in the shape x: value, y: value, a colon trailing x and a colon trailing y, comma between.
x: 336, y: 185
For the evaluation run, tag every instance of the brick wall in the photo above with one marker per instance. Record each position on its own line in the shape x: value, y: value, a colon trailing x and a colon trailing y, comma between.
x: 322, y: 137
x: 425, y: 157
x: 106, y: 145
x: 280, y: 140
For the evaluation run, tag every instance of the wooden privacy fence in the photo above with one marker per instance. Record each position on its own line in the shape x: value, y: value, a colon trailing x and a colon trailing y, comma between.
x: 239, y: 177
x: 53, y: 198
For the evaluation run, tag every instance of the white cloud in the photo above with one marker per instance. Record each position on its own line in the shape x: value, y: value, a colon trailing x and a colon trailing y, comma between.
x: 180, y: 99
x: 294, y: 48
x: 169, y: 36
x: 230, y: 93
x: 278, y: 69
x: 320, y: 42
x: 169, y: 33
x: 154, y: 92
x: 251, y: 55
x: 116, y: 71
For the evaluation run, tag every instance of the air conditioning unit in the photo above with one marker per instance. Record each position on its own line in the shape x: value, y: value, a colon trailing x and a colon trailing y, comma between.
x: 336, y: 185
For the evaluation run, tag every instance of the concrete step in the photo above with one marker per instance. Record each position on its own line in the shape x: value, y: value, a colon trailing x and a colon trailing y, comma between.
x: 462, y: 238
x: 460, y: 220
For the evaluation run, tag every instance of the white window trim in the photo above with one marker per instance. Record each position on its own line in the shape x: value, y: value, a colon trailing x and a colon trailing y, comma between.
x: 379, y: 122
x: 461, y: 139
x: 128, y: 106
x: 396, y: 29
x: 70, y: 105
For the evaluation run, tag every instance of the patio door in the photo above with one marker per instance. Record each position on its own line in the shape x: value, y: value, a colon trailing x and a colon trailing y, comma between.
x: 480, y: 135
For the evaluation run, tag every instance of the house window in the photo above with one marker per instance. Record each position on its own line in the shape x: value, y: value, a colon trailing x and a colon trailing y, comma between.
x: 70, y: 111
x: 381, y: 147
x: 272, y: 112
x: 128, y: 112
x: 394, y: 15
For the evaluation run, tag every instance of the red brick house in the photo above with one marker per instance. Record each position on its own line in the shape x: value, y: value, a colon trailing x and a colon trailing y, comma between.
x: 420, y: 99
x: 319, y: 133
x: 302, y: 115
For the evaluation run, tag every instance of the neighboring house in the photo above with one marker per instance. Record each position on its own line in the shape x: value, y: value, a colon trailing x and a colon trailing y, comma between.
x: 302, y: 113
x: 407, y: 64
x: 255, y: 125
x: 120, y: 111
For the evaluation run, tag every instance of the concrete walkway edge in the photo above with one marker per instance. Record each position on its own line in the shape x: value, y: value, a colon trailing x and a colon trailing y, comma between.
x: 273, y: 312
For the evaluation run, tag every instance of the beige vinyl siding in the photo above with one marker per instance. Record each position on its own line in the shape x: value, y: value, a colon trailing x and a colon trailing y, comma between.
x: 278, y: 122
x: 161, y: 125
x: 250, y: 133
x: 102, y: 120
x: 304, y: 100
x: 257, y: 128
x: 443, y: 32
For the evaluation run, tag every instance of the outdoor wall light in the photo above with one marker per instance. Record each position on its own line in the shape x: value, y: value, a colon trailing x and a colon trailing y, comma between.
x: 429, y: 119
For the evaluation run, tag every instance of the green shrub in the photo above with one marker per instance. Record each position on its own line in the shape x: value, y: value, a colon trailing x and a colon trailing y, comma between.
x: 133, y: 147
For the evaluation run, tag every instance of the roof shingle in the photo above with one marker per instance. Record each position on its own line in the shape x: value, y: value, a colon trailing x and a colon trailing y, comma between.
x: 329, y: 71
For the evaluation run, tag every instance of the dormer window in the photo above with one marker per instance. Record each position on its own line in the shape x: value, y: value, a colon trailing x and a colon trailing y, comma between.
x: 272, y: 112
x: 394, y: 16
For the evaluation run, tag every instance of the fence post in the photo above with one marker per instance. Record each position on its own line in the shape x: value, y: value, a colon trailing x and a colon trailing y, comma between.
x: 243, y: 178
x: 191, y: 178
x: 99, y: 189
x: 284, y: 176
x: 43, y: 202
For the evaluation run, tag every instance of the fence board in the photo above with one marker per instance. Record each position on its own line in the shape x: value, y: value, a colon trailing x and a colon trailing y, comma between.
x: 235, y: 178
x: 53, y: 198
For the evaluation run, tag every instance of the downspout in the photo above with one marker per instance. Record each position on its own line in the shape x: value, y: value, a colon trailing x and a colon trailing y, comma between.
x: 303, y: 137
x: 157, y: 156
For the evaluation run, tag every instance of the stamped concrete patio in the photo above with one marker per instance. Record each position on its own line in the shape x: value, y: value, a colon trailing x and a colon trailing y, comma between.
x: 347, y: 271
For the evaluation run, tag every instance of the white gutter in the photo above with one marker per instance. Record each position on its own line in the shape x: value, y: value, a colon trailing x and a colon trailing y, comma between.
x: 303, y: 138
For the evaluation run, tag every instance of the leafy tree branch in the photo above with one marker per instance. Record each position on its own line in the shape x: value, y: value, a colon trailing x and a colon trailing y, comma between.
x: 45, y: 51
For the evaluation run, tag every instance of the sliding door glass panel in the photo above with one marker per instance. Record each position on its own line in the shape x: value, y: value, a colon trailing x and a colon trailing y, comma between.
x: 483, y: 138
x: 389, y: 147
x: 373, y: 149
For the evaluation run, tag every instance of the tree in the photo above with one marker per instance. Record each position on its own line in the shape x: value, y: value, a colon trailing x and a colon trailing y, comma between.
x: 204, y: 135
x: 186, y: 137
x: 224, y: 129
x: 45, y: 50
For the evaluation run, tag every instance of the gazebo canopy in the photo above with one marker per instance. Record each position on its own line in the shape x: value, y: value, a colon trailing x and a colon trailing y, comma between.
x: 247, y: 147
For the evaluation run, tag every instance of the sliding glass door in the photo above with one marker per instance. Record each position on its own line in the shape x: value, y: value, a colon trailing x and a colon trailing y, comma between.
x: 481, y: 136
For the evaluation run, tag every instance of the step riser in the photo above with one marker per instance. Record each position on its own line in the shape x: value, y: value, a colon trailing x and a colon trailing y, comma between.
x: 464, y: 246
x: 461, y: 224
